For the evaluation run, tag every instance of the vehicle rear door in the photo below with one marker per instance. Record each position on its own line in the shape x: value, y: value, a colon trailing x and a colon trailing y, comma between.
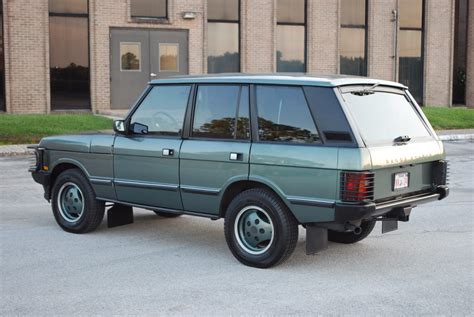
x: 217, y: 150
x: 404, y: 149
x: 146, y: 165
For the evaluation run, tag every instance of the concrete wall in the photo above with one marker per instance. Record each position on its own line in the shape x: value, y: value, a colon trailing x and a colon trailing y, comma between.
x: 26, y: 56
x: 439, y: 44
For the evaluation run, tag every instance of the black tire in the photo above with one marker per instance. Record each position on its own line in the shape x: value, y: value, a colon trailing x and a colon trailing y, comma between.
x: 284, y: 233
x: 92, y: 211
x: 350, y: 237
x: 166, y: 214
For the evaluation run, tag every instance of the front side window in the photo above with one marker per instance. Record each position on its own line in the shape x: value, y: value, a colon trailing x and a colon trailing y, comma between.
x: 149, y: 9
x: 284, y: 116
x: 163, y: 109
x: 291, y: 36
x: 353, y: 59
x: 223, y: 53
x: 222, y: 112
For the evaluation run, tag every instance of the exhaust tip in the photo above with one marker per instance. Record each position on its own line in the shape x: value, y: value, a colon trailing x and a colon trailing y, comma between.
x: 357, y: 230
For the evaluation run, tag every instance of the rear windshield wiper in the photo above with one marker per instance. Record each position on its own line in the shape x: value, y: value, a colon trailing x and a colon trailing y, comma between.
x: 365, y: 91
x: 402, y: 139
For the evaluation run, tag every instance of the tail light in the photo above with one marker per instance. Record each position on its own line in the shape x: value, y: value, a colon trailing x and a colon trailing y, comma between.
x: 357, y: 186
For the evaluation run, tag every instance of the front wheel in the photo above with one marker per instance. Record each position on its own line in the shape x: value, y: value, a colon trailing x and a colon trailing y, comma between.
x: 350, y: 237
x: 73, y: 202
x: 259, y: 228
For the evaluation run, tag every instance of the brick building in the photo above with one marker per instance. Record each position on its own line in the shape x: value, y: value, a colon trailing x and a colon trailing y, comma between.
x: 97, y: 55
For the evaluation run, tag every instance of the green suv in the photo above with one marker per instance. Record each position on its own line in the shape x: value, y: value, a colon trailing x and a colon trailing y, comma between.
x: 267, y: 153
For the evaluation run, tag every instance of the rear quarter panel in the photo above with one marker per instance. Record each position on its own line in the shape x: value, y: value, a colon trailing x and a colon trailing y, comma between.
x: 298, y: 172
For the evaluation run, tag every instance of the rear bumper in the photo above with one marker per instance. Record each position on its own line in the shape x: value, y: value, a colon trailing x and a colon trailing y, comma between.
x: 347, y: 212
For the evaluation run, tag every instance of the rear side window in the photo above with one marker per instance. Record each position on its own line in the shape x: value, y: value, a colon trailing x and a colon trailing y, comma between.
x: 222, y: 112
x: 284, y: 116
x: 163, y: 110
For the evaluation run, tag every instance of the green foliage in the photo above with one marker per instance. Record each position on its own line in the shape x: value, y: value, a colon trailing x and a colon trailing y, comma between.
x: 30, y: 128
x: 450, y: 118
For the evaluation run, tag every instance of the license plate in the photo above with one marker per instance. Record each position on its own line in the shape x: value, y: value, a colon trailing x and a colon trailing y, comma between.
x: 400, y: 180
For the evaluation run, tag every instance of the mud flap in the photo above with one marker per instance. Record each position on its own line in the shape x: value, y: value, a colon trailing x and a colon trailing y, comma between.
x: 316, y: 239
x: 389, y: 225
x: 119, y: 215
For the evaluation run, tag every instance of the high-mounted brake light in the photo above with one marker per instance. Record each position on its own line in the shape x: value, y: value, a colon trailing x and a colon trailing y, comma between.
x: 357, y: 186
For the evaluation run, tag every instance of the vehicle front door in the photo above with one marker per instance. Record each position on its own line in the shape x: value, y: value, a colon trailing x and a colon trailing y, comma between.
x: 146, y: 160
x: 217, y: 150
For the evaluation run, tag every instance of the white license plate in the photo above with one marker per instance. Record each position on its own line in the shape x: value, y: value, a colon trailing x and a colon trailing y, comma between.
x: 400, y: 180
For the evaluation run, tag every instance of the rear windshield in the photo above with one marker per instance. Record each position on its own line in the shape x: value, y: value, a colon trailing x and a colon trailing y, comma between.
x: 383, y: 116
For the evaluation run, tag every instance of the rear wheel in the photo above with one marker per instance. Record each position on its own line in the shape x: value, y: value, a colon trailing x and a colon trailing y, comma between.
x: 350, y: 237
x: 166, y: 214
x: 259, y: 229
x: 73, y: 202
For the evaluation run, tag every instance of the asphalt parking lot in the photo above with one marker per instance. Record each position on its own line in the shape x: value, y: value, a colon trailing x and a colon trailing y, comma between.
x: 182, y: 266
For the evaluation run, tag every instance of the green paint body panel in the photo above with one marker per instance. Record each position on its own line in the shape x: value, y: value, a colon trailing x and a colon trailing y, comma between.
x: 306, y: 171
x: 205, y: 165
x: 140, y: 169
x: 134, y: 169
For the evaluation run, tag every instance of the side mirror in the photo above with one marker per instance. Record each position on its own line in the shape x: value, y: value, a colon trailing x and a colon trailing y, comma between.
x: 139, y: 128
x: 119, y: 126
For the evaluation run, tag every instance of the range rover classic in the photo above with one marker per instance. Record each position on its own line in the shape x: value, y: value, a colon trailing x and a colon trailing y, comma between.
x: 267, y: 153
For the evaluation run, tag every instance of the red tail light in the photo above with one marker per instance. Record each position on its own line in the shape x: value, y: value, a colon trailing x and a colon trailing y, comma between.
x: 357, y: 186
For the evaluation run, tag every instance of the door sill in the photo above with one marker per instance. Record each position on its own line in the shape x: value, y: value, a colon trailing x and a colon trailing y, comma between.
x: 169, y: 210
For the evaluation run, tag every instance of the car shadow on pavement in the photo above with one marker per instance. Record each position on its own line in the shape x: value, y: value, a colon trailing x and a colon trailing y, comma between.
x: 203, y: 236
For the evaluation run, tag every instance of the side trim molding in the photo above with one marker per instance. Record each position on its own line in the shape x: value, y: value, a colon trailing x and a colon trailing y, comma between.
x: 200, y: 190
x: 100, y: 180
x: 170, y: 187
x: 305, y: 201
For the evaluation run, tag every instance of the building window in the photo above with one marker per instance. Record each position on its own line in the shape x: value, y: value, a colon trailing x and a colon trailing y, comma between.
x: 69, y: 54
x: 291, y: 36
x: 460, y: 52
x: 2, y: 62
x: 353, y: 38
x: 130, y: 56
x: 223, y: 36
x: 169, y: 57
x: 410, y: 46
x: 152, y: 9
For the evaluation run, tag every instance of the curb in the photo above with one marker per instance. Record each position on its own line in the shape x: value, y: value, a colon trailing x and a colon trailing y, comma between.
x: 456, y: 137
x: 15, y: 150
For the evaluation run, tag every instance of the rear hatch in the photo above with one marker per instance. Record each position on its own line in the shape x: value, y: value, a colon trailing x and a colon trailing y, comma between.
x: 404, y: 149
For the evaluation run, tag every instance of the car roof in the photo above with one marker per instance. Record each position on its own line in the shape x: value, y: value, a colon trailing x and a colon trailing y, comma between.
x: 278, y: 79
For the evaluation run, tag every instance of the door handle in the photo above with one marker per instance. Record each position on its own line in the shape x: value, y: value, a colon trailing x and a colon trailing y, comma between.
x: 153, y: 75
x: 167, y: 152
x: 236, y: 156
